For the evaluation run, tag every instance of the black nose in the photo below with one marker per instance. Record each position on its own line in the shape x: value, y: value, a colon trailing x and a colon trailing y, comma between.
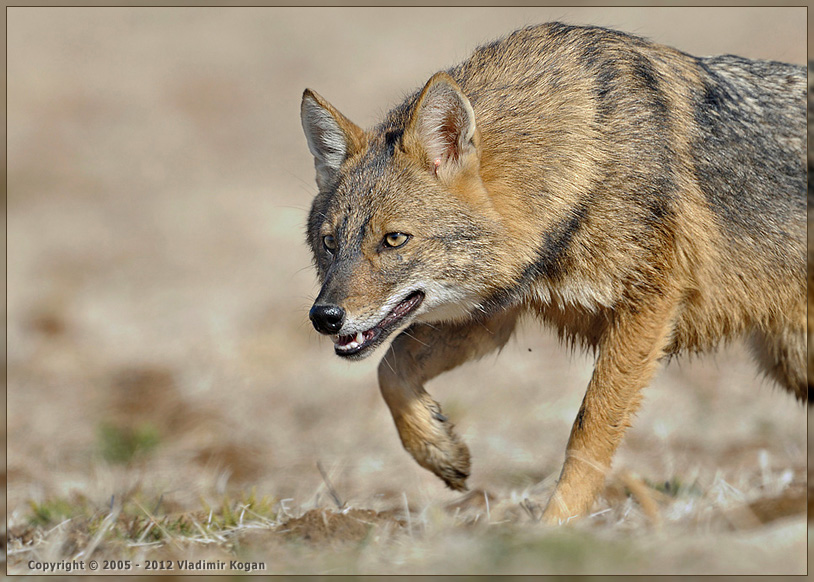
x: 327, y: 318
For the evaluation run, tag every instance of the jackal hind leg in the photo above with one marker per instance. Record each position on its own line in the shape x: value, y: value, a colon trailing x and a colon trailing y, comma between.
x: 782, y: 357
x: 416, y: 356
x: 628, y: 358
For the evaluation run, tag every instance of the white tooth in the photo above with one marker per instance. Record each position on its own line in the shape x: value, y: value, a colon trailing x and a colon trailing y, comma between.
x: 359, y: 337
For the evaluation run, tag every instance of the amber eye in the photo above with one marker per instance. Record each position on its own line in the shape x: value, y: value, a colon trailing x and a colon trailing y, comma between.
x: 329, y: 241
x: 395, y: 239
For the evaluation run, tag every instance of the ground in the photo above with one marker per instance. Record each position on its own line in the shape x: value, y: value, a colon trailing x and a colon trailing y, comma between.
x: 168, y: 400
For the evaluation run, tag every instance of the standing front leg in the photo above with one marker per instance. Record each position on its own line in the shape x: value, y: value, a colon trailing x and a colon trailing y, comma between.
x: 628, y: 357
x: 416, y: 356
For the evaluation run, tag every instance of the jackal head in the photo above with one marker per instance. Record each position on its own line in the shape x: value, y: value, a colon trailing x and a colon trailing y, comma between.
x: 402, y: 226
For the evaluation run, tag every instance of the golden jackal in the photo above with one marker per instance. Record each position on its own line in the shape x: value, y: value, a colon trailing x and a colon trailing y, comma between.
x: 643, y: 201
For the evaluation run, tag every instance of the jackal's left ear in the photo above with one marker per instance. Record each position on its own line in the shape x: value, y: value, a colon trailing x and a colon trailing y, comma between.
x: 332, y: 137
x: 442, y: 125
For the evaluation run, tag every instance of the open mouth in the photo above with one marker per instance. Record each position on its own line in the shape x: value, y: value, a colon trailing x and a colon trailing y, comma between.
x: 350, y: 345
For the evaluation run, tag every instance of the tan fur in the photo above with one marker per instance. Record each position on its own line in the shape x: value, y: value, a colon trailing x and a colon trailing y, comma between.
x: 572, y: 173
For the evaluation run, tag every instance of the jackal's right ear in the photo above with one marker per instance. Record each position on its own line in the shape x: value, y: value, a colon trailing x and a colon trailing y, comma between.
x: 441, y: 129
x: 332, y: 137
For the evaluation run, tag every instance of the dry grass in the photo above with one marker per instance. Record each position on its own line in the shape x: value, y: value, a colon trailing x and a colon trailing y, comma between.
x: 625, y: 534
x: 168, y: 400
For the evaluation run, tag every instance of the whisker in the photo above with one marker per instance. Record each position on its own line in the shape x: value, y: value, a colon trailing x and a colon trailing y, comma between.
x: 292, y: 207
x: 302, y: 269
x: 394, y: 356
x: 308, y: 186
x: 408, y: 334
x: 483, y: 325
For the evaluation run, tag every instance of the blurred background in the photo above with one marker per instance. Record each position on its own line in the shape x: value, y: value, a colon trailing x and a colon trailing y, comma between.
x: 159, y: 283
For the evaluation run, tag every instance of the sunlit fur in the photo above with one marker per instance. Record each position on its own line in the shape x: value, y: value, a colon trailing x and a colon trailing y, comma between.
x: 644, y: 202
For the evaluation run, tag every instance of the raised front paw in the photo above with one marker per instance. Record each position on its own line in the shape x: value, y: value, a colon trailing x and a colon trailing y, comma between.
x: 428, y: 435
x: 451, y: 463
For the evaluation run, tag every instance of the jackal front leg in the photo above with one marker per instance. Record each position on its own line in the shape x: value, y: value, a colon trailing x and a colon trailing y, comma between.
x: 419, y: 354
x: 628, y: 357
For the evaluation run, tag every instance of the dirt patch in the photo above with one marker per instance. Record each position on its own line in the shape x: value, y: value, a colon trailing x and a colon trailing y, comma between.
x: 320, y: 526
x: 478, y: 500
x: 769, y: 509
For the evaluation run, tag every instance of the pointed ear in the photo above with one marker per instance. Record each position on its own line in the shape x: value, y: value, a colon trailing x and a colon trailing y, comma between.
x: 332, y: 137
x: 443, y: 126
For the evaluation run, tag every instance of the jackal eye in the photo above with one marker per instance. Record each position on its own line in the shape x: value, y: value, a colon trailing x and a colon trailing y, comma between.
x: 395, y: 239
x: 329, y: 242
